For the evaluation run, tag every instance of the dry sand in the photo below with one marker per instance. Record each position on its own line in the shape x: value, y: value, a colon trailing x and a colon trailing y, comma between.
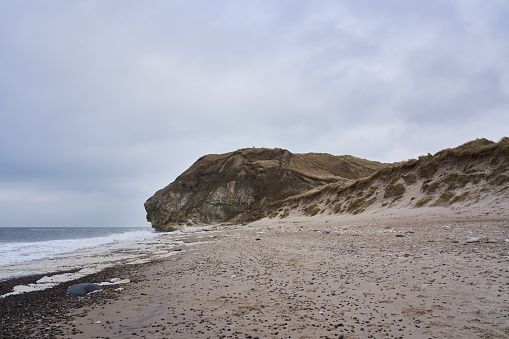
x: 362, y: 276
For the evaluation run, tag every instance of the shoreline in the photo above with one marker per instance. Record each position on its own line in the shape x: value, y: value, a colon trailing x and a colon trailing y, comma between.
x: 355, y: 277
x: 86, y: 261
x: 36, y: 314
x: 83, y: 256
x: 39, y: 313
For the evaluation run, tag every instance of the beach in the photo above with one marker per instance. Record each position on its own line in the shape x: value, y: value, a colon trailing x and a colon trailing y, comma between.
x: 432, y: 274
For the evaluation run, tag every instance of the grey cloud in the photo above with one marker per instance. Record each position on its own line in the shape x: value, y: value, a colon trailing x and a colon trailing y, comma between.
x: 102, y: 104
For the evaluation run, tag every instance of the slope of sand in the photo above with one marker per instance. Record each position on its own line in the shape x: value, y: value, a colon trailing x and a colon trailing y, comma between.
x: 408, y: 273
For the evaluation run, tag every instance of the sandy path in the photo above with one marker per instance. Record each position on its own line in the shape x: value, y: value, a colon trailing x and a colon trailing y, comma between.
x: 312, y: 279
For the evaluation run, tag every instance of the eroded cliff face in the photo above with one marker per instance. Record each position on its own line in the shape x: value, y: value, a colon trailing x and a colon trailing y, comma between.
x: 242, y: 185
x: 250, y: 184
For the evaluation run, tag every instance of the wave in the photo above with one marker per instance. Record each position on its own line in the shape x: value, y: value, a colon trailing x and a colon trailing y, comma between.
x: 18, y: 252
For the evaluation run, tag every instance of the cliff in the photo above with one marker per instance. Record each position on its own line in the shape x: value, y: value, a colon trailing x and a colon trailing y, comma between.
x: 244, y: 185
x: 250, y: 184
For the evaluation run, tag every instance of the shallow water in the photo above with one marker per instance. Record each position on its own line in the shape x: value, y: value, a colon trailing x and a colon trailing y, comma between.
x: 90, y: 255
x: 28, y: 251
x: 22, y: 244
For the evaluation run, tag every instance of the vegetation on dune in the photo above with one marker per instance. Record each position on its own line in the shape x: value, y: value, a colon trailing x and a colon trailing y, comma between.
x: 499, y: 180
x: 312, y: 210
x: 463, y: 196
x: 452, y: 181
x: 338, y: 208
x: 410, y: 178
x: 445, y: 178
x: 359, y: 205
x: 285, y: 213
x: 444, y: 198
x: 422, y: 202
x: 394, y: 189
x: 249, y: 184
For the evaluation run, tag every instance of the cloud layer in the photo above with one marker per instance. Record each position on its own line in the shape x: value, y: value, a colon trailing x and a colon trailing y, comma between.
x: 104, y: 102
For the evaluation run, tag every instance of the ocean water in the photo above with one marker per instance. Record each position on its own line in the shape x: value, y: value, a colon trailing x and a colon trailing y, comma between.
x: 25, y: 244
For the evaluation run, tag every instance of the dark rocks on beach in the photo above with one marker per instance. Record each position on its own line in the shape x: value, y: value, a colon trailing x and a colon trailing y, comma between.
x: 83, y: 288
x: 7, y: 286
x: 36, y: 314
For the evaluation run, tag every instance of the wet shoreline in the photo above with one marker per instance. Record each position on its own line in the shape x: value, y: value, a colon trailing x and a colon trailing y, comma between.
x: 271, y: 279
x: 37, y: 314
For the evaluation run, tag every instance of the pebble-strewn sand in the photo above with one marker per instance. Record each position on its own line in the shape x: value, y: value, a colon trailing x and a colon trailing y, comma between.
x: 372, y: 277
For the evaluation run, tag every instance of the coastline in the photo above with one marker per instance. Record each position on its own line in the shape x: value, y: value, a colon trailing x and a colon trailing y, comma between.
x: 428, y: 275
x: 65, y: 251
x: 38, y: 313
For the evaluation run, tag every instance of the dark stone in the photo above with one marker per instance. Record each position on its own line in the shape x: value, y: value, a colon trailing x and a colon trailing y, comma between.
x: 84, y: 288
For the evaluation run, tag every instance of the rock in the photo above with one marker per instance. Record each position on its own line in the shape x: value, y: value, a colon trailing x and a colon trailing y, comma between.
x: 242, y: 186
x: 409, y: 232
x: 253, y: 183
x: 84, y: 288
x: 481, y: 239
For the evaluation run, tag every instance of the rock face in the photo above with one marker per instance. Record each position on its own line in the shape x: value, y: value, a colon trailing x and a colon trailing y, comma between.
x: 244, y: 185
x: 250, y: 184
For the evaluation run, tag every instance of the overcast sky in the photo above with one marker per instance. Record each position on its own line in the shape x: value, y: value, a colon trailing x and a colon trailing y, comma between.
x: 104, y: 102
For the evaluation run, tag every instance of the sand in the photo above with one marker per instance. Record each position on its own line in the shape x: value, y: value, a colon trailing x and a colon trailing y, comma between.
x: 426, y: 274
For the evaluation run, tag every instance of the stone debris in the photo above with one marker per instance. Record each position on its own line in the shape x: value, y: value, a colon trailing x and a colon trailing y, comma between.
x: 360, y: 282
x: 83, y: 288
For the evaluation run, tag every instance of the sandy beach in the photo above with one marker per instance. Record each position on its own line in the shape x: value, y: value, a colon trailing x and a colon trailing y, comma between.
x: 398, y: 275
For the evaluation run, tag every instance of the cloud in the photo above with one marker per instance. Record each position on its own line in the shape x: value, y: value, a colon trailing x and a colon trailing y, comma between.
x: 102, y: 104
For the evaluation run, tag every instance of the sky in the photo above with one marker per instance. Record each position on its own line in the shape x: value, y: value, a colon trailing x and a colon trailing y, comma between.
x: 102, y: 103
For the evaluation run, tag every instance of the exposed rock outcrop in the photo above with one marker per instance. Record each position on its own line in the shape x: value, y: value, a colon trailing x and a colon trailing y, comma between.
x: 244, y: 185
x: 250, y: 184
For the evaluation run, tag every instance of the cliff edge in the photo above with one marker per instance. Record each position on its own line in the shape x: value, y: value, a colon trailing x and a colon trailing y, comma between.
x: 243, y: 186
x: 250, y: 184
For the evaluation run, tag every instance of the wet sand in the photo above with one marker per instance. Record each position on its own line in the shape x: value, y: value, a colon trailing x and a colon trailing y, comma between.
x: 326, y: 277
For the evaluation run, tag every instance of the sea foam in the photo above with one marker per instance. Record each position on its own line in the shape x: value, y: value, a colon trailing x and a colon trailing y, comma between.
x: 19, y: 252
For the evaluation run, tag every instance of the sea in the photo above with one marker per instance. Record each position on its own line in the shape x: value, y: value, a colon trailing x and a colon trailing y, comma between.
x: 25, y: 250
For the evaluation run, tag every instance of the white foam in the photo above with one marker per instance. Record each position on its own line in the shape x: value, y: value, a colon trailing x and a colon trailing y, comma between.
x: 89, y: 260
x: 49, y: 282
x: 20, y: 252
